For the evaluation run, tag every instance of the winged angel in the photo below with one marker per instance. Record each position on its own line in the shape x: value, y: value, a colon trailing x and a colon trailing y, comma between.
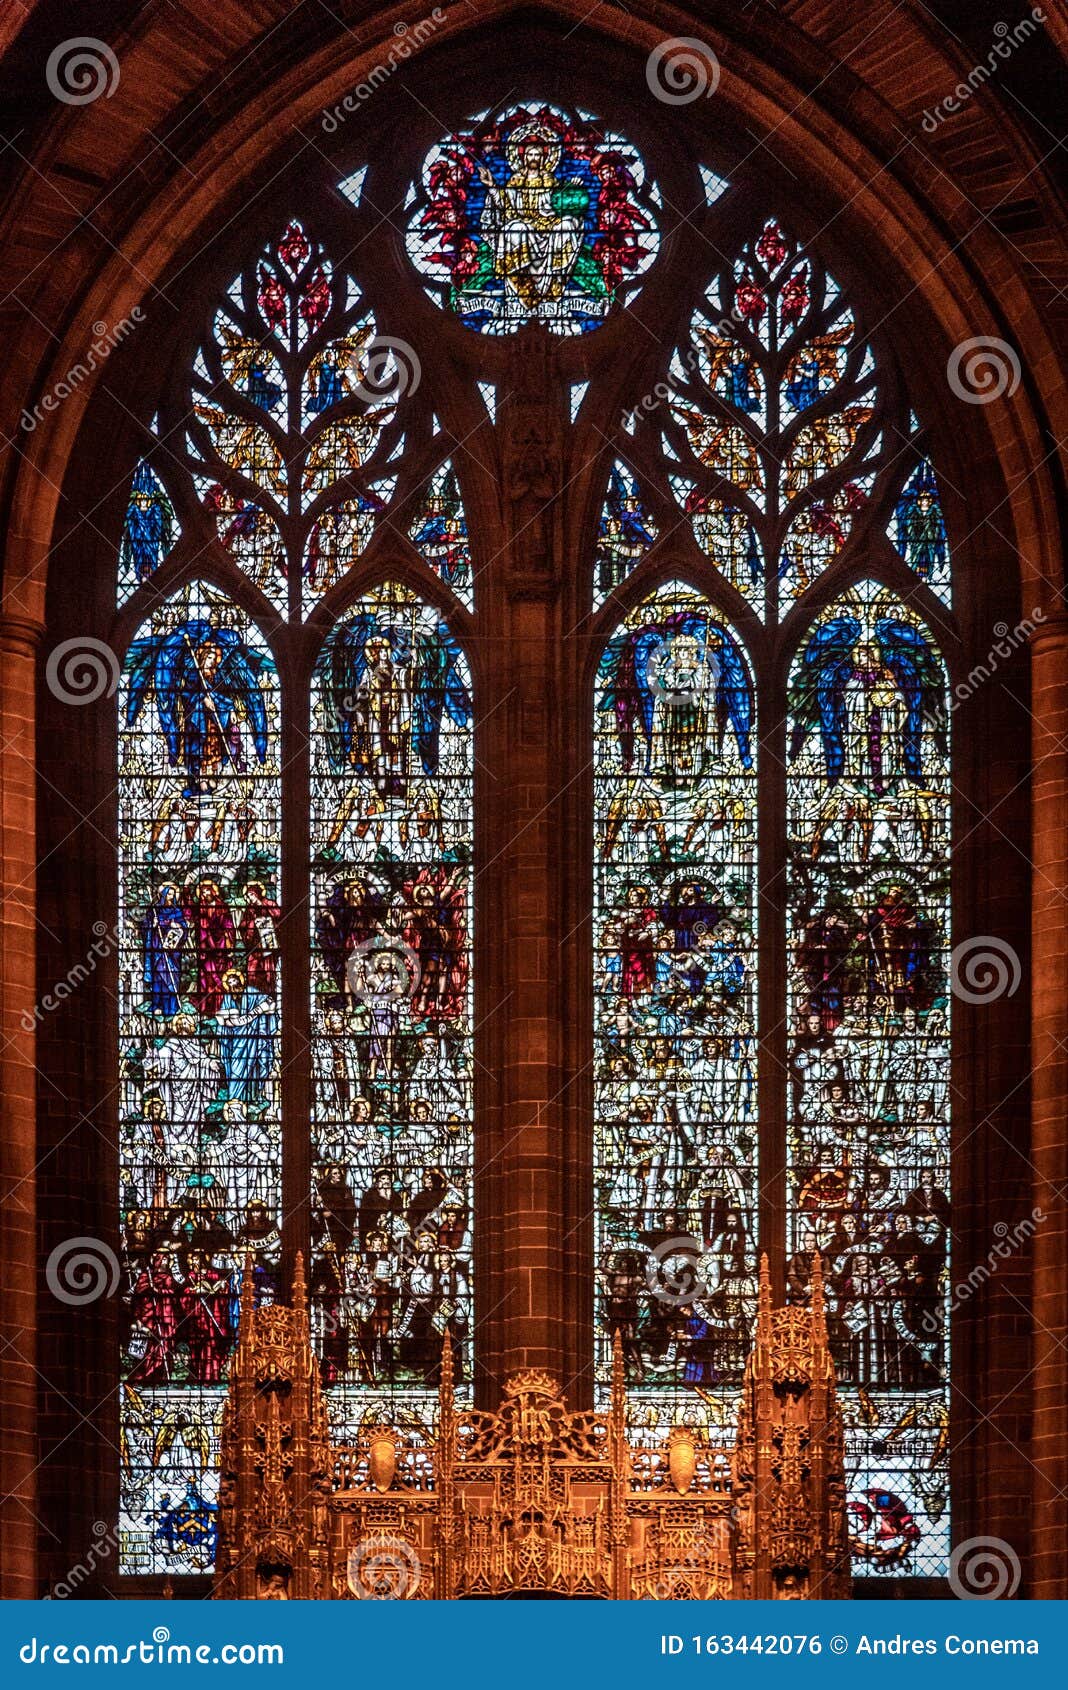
x: 387, y: 689
x: 874, y: 691
x: 676, y: 686
x: 207, y: 683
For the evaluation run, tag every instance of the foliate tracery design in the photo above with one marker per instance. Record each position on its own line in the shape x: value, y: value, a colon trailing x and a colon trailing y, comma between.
x: 774, y: 429
x: 675, y: 986
x: 296, y: 413
x: 391, y: 1001
x: 200, y: 1127
x: 533, y: 214
x: 868, y: 817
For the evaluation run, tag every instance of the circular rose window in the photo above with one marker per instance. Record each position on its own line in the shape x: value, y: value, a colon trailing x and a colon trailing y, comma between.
x: 533, y: 215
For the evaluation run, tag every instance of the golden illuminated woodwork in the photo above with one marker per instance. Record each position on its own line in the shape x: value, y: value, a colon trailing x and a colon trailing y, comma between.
x: 533, y: 1498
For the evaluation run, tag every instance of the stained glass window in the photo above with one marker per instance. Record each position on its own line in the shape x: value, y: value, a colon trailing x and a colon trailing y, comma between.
x: 868, y: 829
x: 675, y: 992
x: 624, y: 533
x: 391, y: 989
x: 439, y: 533
x: 773, y: 421
x: 918, y: 530
x: 199, y: 819
x: 296, y: 412
x: 150, y: 530
x: 533, y: 214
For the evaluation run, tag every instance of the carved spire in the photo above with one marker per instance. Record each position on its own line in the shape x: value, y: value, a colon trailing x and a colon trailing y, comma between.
x: 819, y: 1313
x: 445, y: 1388
x: 764, y: 1300
x: 300, y: 1295
x: 248, y: 1301
x: 619, y: 1380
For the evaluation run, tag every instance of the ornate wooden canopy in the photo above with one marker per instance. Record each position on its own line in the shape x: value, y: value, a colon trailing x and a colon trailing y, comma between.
x: 532, y: 1499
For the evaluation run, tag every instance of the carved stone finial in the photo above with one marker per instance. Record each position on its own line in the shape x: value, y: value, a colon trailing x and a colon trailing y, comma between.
x: 764, y: 1297
x: 300, y: 1285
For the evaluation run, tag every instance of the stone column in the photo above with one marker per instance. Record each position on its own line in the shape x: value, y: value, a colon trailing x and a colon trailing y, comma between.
x: 19, y: 637
x: 520, y: 1300
x: 1049, y: 1148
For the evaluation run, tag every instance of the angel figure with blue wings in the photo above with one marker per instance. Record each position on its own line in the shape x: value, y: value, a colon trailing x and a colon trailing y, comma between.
x: 674, y: 687
x: 874, y: 691
x: 207, y: 684
x: 387, y: 686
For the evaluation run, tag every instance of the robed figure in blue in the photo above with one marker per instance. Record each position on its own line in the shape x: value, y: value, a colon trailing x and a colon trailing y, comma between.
x: 164, y: 931
x: 248, y: 1025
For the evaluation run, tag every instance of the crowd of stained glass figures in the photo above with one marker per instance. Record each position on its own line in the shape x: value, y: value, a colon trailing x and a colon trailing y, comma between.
x: 200, y: 1130
x: 391, y: 1000
x: 774, y: 442
x: 675, y: 972
x: 533, y: 215
x: 868, y: 838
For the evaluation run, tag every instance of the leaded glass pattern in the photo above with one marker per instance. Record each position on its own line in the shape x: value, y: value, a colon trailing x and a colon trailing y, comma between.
x: 918, y: 530
x: 625, y: 533
x: 675, y: 1133
x: 295, y: 413
x: 774, y: 421
x: 868, y: 821
x: 200, y: 1127
x: 391, y: 1005
x: 439, y: 533
x: 150, y: 530
x: 533, y: 214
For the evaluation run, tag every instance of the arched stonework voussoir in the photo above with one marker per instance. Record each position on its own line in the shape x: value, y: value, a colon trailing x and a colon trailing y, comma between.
x: 968, y: 295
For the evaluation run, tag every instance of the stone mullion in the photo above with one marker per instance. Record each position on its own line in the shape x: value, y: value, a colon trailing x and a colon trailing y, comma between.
x: 19, y: 1453
x: 1049, y: 1151
x: 294, y: 943
x: 773, y: 1085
